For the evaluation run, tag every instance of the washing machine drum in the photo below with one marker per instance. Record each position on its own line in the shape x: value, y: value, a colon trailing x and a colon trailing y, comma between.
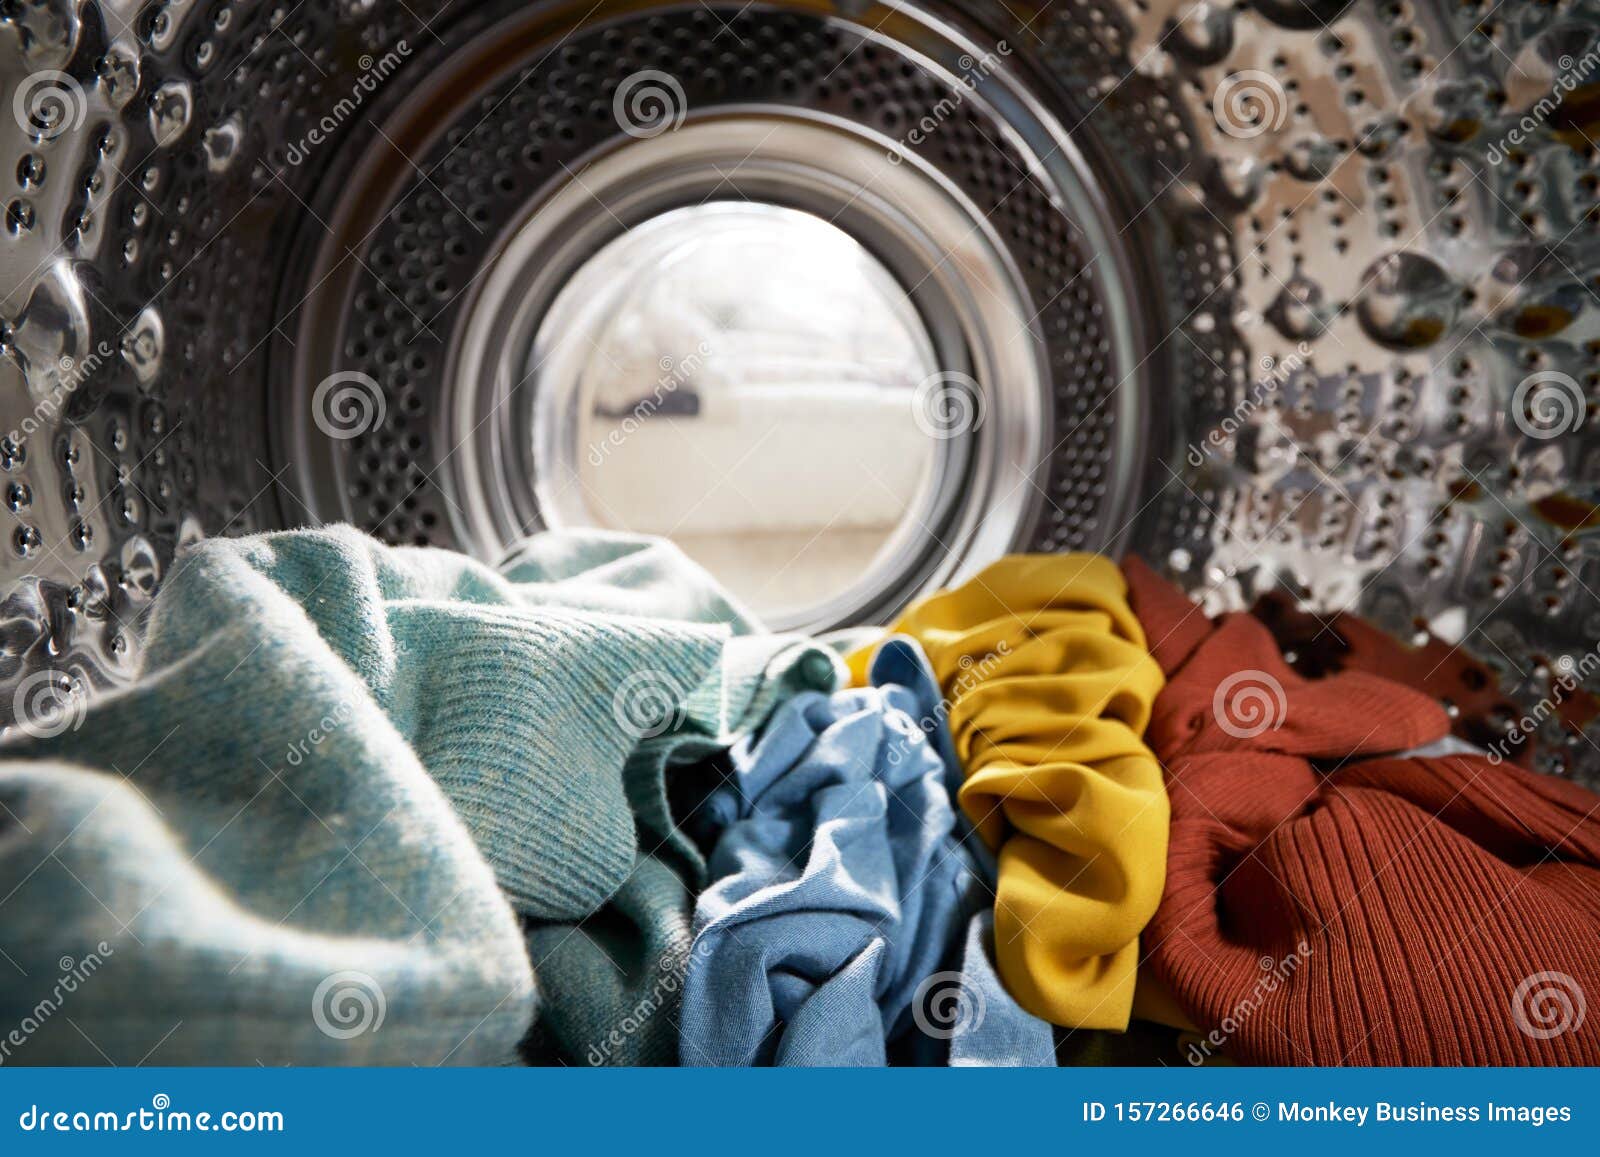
x: 846, y: 297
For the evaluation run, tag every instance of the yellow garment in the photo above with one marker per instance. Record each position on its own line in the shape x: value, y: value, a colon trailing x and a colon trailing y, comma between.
x: 1153, y: 1001
x: 1049, y: 687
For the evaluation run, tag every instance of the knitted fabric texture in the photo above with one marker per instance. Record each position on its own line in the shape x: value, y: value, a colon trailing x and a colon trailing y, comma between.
x: 1322, y: 645
x: 278, y: 788
x: 1411, y: 910
x: 615, y: 979
x: 841, y: 887
x: 1049, y: 689
x: 252, y: 832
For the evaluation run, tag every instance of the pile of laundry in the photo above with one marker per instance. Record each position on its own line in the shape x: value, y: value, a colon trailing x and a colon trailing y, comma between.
x: 369, y: 805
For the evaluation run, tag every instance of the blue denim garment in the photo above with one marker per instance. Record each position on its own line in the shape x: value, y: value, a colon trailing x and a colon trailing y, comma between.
x: 991, y: 1029
x: 614, y: 979
x: 840, y: 929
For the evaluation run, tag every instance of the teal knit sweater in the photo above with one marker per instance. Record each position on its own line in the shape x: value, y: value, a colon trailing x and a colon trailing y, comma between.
x: 282, y: 843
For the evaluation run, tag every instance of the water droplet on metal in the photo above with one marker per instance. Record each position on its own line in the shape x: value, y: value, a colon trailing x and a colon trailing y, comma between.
x: 1409, y: 301
x: 119, y: 75
x: 222, y: 143
x: 143, y: 344
x: 171, y: 108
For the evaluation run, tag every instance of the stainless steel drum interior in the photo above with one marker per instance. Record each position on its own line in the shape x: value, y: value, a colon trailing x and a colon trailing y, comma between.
x: 1289, y: 296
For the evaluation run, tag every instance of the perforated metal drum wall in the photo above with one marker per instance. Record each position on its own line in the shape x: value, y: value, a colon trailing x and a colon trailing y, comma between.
x: 1308, y: 286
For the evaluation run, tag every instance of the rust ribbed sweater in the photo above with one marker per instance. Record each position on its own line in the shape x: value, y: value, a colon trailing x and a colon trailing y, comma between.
x: 1328, y: 904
